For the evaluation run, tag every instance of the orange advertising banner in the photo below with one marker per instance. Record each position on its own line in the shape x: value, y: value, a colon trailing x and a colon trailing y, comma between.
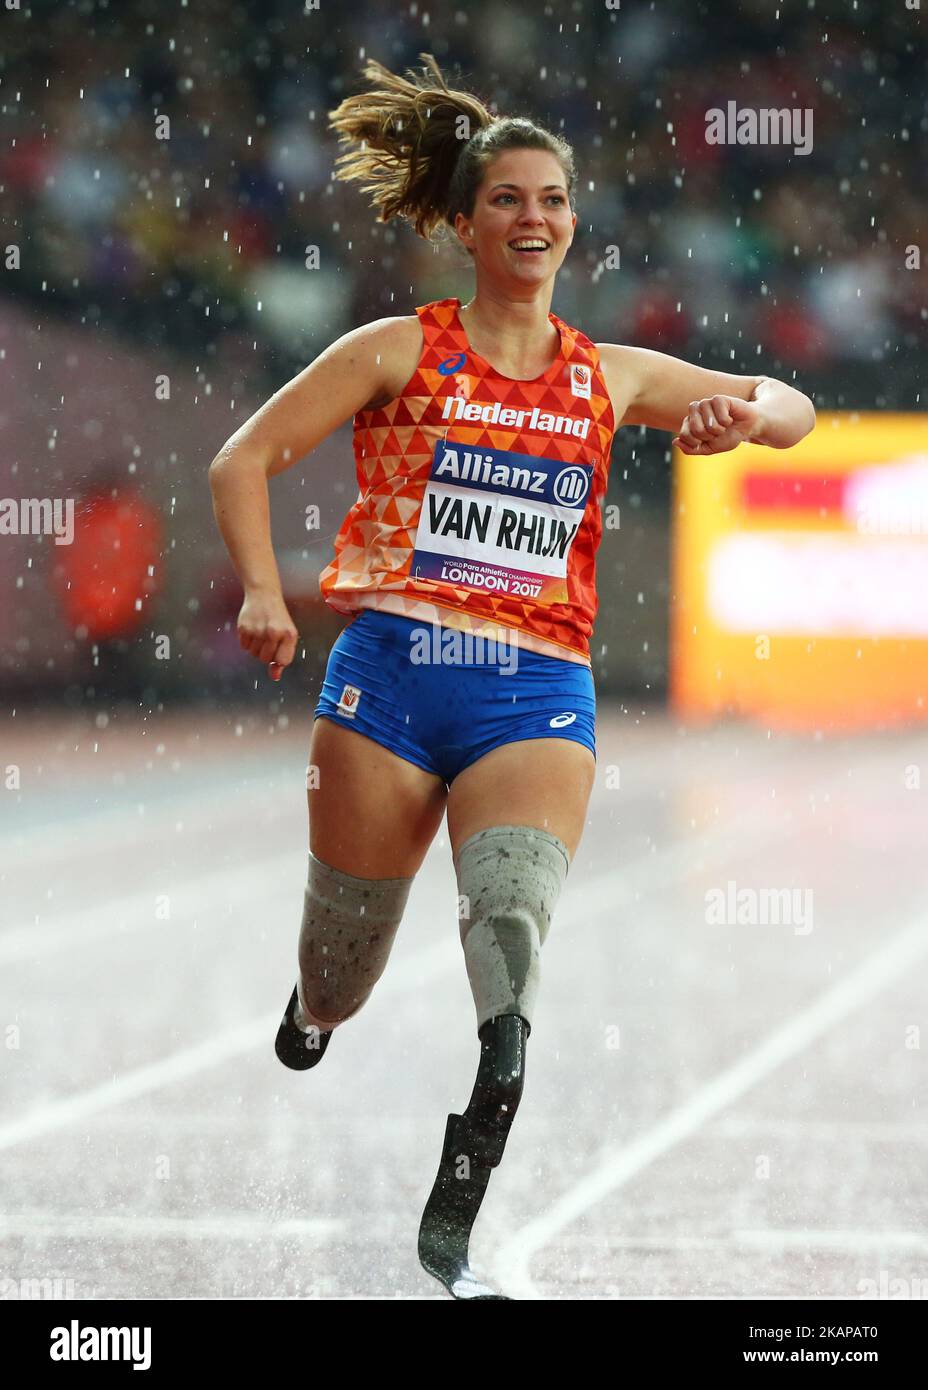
x: 800, y: 578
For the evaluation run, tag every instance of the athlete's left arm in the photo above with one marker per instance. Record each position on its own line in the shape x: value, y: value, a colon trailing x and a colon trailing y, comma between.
x: 711, y: 412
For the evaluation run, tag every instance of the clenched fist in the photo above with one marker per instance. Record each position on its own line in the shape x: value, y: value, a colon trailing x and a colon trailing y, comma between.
x: 716, y: 424
x: 266, y: 630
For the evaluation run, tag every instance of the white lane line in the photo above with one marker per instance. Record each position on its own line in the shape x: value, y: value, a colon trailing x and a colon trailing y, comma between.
x: 618, y: 1167
x: 223, y: 1048
x: 52, y: 1225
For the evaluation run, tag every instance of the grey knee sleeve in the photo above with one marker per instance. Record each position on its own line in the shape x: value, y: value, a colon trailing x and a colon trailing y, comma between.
x: 509, y: 880
x: 349, y: 925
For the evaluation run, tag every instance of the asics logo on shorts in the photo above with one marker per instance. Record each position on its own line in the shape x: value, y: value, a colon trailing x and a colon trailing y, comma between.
x: 560, y: 721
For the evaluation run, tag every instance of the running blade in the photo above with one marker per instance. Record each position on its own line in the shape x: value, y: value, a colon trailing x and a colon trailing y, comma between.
x: 444, y: 1232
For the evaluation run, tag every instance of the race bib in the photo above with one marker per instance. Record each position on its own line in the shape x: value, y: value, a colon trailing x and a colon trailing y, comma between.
x: 500, y: 522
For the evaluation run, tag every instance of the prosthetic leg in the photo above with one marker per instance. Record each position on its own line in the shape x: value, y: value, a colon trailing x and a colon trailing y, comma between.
x: 348, y: 929
x: 473, y: 1147
x: 509, y: 879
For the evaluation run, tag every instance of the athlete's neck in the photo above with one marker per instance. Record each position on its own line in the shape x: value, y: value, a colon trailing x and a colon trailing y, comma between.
x: 514, y: 331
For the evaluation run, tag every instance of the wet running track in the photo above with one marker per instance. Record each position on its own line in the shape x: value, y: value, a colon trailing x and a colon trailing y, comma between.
x: 724, y: 1097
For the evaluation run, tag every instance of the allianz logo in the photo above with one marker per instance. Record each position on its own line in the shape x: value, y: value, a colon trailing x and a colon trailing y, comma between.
x: 569, y: 487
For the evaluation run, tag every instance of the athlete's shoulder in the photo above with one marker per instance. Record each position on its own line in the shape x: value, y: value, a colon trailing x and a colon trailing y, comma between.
x: 398, y: 330
x: 396, y: 343
x: 616, y: 352
x: 400, y: 340
x: 378, y: 337
x: 618, y: 361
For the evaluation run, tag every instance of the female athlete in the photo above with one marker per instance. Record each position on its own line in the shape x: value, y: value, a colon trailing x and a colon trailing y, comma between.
x: 461, y: 685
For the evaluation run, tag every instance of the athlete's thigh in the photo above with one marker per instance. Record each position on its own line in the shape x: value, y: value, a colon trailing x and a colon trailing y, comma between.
x: 541, y: 782
x: 371, y: 813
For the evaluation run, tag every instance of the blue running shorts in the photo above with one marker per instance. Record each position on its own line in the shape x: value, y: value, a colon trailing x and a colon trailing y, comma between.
x: 433, y: 696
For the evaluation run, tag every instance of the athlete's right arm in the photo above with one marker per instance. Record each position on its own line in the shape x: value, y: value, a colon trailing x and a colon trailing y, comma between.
x: 370, y: 364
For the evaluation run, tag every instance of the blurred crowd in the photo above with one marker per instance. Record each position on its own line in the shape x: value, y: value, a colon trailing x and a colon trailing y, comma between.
x: 737, y: 253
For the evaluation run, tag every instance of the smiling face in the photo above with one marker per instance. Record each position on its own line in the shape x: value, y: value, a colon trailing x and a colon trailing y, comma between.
x: 522, y: 224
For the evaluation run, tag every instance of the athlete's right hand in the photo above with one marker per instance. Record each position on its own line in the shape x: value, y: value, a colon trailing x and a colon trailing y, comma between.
x: 266, y: 630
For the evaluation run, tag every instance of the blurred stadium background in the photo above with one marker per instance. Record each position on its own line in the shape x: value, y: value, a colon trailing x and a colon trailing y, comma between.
x: 161, y: 291
x: 717, y: 1108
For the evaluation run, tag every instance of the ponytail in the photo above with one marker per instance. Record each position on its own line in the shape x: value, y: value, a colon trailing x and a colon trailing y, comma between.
x: 424, y: 145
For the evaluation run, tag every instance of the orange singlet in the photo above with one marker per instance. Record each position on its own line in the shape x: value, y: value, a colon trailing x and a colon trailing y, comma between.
x: 480, y: 497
